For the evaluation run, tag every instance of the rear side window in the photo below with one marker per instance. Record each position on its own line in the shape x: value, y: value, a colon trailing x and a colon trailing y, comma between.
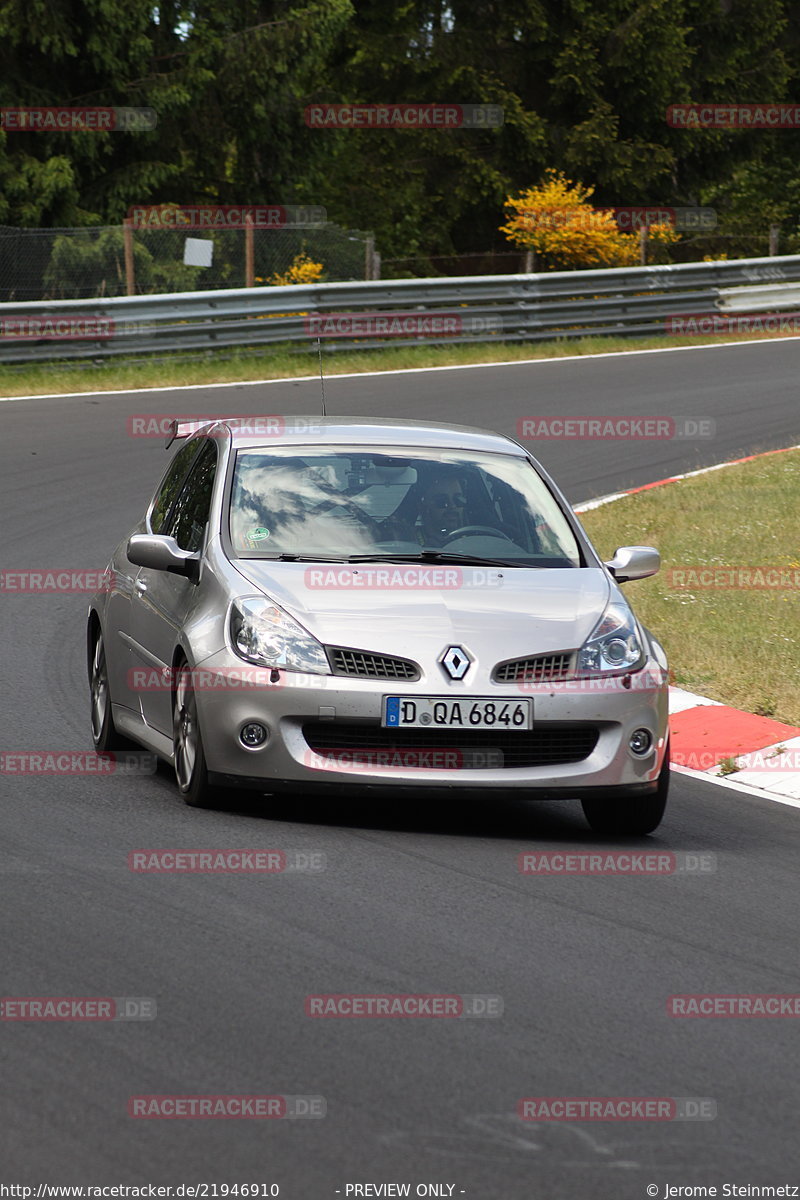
x: 189, y: 516
x: 171, y: 485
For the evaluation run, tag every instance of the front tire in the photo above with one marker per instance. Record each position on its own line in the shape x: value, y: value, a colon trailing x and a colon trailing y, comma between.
x: 630, y: 818
x: 188, y: 756
x: 104, y: 732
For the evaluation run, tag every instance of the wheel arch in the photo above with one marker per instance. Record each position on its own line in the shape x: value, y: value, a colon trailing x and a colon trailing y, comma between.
x: 93, y: 627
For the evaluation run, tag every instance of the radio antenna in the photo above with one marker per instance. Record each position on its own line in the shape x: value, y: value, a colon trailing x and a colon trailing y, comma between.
x: 321, y: 376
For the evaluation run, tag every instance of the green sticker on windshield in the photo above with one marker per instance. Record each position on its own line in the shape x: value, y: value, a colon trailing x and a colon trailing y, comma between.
x: 253, y: 536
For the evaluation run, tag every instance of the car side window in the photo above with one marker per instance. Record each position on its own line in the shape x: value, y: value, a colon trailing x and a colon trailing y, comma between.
x: 171, y: 485
x: 189, y: 516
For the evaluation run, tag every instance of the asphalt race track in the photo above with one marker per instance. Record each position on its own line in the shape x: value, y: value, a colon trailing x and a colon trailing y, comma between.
x: 413, y: 900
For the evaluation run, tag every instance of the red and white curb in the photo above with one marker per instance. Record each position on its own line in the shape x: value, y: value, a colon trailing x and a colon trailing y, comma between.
x: 756, y: 752
x: 646, y: 487
x: 712, y: 741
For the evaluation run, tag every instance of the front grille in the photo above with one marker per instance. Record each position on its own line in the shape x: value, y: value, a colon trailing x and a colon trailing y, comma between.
x: 547, y: 745
x: 365, y: 665
x: 544, y: 668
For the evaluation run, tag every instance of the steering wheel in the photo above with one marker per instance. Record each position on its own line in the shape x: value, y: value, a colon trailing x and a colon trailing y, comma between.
x: 465, y: 530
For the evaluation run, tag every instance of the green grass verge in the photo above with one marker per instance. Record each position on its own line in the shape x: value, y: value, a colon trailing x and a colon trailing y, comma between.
x: 734, y: 644
x: 283, y: 362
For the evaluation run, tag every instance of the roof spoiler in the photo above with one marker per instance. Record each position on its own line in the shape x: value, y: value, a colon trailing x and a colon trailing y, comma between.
x: 183, y: 429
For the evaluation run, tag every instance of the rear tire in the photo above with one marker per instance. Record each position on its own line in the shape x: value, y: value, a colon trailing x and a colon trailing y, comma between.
x: 630, y: 818
x: 188, y: 756
x: 104, y: 732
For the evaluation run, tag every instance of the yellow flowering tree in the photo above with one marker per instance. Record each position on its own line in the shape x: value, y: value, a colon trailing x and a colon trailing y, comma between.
x: 557, y: 222
x: 660, y: 237
x: 302, y: 270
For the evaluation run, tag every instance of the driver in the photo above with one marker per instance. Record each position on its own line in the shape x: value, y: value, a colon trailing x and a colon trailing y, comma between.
x: 441, y: 510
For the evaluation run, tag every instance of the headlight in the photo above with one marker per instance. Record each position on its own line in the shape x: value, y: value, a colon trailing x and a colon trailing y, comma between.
x: 264, y: 634
x: 614, y: 645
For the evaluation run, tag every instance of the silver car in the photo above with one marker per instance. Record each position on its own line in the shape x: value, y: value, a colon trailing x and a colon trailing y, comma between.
x: 320, y: 605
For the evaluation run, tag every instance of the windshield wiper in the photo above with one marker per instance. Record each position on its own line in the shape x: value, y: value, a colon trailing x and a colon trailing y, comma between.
x: 303, y: 558
x: 435, y: 556
x: 424, y: 556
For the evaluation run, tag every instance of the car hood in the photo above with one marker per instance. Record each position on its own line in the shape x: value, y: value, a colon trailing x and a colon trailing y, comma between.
x: 506, y: 612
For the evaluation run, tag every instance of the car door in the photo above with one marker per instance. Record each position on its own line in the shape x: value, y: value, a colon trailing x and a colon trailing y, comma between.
x: 162, y: 601
x: 123, y: 655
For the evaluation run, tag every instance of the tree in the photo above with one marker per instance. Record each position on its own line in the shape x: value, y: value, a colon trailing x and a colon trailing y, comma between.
x: 302, y: 269
x: 59, y: 54
x: 555, y: 220
x: 584, y: 88
x: 227, y: 83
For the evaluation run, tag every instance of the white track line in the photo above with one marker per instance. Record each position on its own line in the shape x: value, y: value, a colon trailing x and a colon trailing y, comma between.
x: 734, y: 462
x: 744, y: 788
x: 522, y: 362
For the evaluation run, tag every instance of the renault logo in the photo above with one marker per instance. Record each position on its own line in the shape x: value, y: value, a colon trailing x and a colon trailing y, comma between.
x: 456, y: 661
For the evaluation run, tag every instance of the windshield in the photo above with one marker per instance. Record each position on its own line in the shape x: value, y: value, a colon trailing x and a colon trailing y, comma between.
x: 344, y: 502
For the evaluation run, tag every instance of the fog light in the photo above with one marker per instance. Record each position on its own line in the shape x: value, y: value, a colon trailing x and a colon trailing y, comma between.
x: 252, y: 735
x: 641, y: 741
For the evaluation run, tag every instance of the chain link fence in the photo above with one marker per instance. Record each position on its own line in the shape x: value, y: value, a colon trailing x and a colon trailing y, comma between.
x: 729, y: 242
x: 75, y: 264
x: 433, y: 266
x: 88, y: 263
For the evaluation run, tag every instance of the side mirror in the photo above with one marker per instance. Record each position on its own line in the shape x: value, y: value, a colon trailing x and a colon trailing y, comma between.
x: 162, y: 553
x: 634, y: 562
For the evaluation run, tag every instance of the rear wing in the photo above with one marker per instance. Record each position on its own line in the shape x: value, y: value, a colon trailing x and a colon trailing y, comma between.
x: 184, y: 429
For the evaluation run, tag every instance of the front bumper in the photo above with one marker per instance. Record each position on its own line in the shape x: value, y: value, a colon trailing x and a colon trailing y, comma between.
x: 294, y: 702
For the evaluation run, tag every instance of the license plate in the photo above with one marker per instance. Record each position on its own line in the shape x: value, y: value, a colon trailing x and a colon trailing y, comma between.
x: 440, y: 712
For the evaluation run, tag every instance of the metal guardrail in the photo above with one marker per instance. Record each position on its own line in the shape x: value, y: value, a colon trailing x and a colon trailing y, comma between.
x: 492, y: 308
x: 759, y: 299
